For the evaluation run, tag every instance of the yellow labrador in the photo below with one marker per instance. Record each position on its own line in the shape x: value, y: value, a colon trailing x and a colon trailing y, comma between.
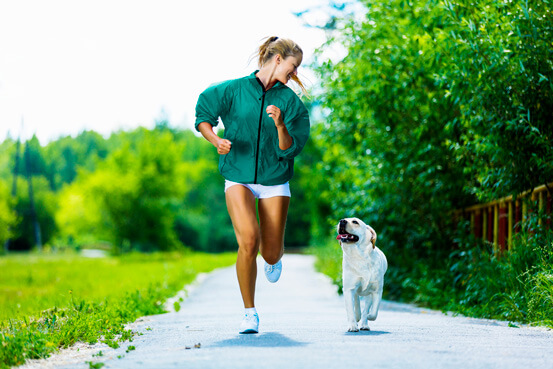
x: 364, y: 266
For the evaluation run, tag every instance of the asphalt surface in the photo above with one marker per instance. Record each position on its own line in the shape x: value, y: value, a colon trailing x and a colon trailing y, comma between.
x: 303, y: 325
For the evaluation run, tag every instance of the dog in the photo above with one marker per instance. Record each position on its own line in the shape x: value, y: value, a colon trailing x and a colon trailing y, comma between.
x: 363, y: 269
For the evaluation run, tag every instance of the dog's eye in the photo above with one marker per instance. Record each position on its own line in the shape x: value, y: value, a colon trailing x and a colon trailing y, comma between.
x: 355, y: 222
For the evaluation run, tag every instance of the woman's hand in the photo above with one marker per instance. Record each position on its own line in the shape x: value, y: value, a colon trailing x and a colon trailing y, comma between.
x: 284, y: 138
x: 223, y: 146
x: 274, y: 113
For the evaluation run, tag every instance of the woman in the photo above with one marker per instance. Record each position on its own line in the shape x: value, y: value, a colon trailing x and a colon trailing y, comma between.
x: 266, y: 126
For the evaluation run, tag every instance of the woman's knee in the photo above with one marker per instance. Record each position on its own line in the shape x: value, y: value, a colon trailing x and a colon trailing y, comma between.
x: 249, y: 245
x: 272, y: 254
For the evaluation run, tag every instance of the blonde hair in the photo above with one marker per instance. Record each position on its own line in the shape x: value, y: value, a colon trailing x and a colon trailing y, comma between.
x: 280, y: 46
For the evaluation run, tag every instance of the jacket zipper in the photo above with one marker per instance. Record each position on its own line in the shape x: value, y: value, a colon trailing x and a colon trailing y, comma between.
x: 259, y: 135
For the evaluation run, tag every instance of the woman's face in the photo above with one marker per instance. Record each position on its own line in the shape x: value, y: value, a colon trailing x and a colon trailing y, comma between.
x: 286, y: 68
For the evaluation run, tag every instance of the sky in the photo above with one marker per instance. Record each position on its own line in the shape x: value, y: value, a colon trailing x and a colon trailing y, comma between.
x: 69, y: 66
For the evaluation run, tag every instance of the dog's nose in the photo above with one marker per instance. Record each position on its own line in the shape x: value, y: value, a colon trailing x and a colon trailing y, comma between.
x: 343, y: 222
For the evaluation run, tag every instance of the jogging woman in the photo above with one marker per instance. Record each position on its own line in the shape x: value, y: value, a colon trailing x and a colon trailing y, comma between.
x: 266, y: 126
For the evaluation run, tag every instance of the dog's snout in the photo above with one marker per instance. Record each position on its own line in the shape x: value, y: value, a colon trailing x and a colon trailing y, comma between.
x: 342, y: 226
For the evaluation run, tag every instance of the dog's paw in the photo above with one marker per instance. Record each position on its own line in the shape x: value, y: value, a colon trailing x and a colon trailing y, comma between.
x: 365, y: 328
x: 353, y: 328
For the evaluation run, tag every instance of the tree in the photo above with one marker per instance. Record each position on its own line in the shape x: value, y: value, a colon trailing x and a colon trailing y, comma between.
x: 7, y: 214
x: 434, y: 106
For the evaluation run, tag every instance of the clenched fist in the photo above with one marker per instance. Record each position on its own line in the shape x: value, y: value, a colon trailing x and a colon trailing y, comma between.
x: 274, y: 112
x: 223, y: 146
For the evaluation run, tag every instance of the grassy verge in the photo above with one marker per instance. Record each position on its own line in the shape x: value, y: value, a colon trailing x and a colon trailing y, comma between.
x: 515, y: 286
x: 52, y: 301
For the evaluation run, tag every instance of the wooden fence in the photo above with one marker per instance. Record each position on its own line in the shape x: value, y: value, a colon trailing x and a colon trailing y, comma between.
x: 498, y: 220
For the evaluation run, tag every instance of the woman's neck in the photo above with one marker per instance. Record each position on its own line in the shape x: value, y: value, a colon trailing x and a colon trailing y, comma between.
x: 266, y: 74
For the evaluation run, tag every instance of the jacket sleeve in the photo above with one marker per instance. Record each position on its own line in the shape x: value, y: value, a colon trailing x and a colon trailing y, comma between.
x: 213, y: 103
x: 297, y: 124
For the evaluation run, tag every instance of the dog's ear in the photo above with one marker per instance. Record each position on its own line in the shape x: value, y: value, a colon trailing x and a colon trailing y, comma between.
x: 373, y: 236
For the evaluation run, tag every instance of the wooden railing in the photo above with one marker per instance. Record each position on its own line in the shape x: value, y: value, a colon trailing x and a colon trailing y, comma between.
x: 498, y: 220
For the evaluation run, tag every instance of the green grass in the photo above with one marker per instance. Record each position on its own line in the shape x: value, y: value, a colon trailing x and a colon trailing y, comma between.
x: 52, y: 301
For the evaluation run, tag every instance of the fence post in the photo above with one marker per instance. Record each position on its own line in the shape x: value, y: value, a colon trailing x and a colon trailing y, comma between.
x: 495, y: 226
x: 490, y: 224
x: 478, y: 223
x: 548, y: 210
x: 510, y: 226
x: 502, y: 226
x: 540, y: 205
x: 524, y: 211
x: 497, y: 221
x: 518, y: 216
x: 471, y: 216
x: 484, y: 223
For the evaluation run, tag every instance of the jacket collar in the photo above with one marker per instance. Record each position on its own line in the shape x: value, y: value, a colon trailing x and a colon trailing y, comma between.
x: 254, y: 77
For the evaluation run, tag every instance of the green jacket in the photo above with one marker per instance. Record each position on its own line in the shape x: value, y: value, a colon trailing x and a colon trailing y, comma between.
x: 255, y: 156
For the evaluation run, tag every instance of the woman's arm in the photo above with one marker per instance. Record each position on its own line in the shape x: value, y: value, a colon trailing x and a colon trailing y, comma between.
x: 223, y: 146
x: 284, y: 138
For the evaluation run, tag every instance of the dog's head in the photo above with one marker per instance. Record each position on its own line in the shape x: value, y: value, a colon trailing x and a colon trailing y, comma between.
x: 354, y: 230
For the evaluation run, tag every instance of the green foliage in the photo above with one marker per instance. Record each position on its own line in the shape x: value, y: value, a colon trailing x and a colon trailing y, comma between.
x: 516, y: 286
x: 124, y: 288
x: 309, y: 206
x: 93, y: 365
x: 426, y: 93
x: 45, y: 208
x: 497, y: 70
x: 329, y: 261
x: 67, y: 155
x: 386, y: 142
x: 135, y: 190
x: 435, y: 105
x: 7, y: 214
x: 138, y: 190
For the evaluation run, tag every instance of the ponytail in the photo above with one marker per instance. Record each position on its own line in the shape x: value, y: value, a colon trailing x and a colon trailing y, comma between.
x: 283, y: 47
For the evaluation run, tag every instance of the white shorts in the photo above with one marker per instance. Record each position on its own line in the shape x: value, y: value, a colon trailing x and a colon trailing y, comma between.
x: 261, y: 191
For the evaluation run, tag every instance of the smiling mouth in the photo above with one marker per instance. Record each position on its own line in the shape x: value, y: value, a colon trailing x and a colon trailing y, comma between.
x: 347, y: 237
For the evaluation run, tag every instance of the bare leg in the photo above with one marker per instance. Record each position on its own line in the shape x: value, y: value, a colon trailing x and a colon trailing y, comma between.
x: 241, y: 207
x: 272, y: 219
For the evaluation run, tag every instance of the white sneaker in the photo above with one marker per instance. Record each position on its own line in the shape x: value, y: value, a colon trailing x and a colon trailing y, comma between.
x: 250, y: 324
x: 272, y: 272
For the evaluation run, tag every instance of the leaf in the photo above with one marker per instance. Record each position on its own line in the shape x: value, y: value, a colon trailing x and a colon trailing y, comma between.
x: 542, y: 78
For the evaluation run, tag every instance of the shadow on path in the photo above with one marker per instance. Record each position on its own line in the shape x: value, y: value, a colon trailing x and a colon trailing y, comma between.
x: 269, y: 339
x: 366, y: 333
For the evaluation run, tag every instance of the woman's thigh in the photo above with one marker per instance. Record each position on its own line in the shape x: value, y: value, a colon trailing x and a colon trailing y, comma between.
x: 272, y: 221
x: 241, y: 208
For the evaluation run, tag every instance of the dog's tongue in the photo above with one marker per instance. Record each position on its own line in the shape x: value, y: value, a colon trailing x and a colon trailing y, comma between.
x: 347, y: 237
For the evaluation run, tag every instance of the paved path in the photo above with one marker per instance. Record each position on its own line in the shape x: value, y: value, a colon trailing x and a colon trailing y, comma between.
x: 303, y: 325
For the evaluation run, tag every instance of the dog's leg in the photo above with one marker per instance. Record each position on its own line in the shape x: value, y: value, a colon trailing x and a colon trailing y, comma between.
x: 356, y: 307
x: 367, y: 304
x: 373, y: 312
x: 349, y: 298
